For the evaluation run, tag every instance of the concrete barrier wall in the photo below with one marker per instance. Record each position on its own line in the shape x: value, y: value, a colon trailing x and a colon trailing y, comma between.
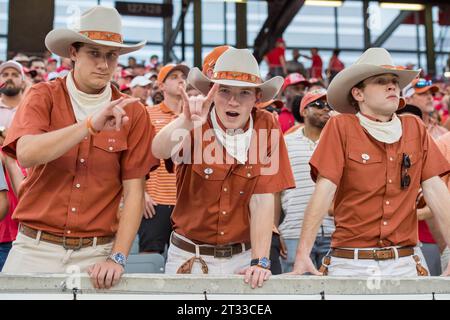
x: 61, y: 286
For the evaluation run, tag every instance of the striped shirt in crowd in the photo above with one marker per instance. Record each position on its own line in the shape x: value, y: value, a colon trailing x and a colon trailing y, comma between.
x: 294, y: 201
x: 162, y: 185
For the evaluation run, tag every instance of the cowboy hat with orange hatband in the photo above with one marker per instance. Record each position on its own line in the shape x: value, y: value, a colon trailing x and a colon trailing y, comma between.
x: 373, y: 62
x: 237, y: 68
x: 97, y: 26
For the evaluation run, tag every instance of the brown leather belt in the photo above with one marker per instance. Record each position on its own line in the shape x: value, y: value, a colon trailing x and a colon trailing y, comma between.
x: 66, y: 242
x: 376, y: 254
x: 216, y: 251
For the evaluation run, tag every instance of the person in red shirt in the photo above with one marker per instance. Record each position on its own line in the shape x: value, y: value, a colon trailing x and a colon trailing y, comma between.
x: 335, y: 65
x: 276, y: 59
x: 294, y: 85
x: 317, y: 64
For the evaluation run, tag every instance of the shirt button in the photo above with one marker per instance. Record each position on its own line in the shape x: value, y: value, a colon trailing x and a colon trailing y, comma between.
x: 391, y: 159
x: 74, y: 209
x: 390, y: 181
x: 225, y: 189
x: 78, y: 185
x: 68, y: 231
x: 387, y: 202
x: 222, y: 233
x: 224, y: 212
x: 82, y: 160
x: 110, y: 148
x: 206, y: 177
x: 249, y: 175
x: 85, y: 138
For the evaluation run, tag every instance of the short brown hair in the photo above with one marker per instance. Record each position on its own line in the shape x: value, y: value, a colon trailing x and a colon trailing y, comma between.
x: 77, y: 46
x: 350, y: 97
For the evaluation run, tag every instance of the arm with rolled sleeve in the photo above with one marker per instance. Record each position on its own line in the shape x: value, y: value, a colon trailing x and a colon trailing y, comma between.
x: 136, y: 162
x: 275, y: 176
x: 4, y: 204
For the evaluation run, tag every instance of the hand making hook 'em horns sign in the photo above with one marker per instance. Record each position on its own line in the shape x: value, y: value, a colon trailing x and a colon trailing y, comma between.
x: 196, y: 109
x: 112, y: 117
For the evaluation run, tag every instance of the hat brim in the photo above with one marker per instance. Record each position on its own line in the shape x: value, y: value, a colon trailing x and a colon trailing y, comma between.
x: 58, y: 41
x: 311, y: 99
x: 277, y: 103
x: 269, y: 89
x: 344, y: 81
x: 9, y: 64
x: 305, y: 82
x: 433, y: 88
x: 183, y: 68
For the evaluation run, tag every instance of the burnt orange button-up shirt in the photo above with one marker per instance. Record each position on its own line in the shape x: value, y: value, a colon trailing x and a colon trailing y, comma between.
x: 371, y: 209
x: 213, y: 198
x: 78, y: 194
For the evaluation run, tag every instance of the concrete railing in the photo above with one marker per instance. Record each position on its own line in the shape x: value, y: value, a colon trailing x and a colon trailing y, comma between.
x: 160, y: 286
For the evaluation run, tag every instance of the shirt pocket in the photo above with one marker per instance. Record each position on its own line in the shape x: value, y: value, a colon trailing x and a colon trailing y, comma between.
x: 206, y: 183
x: 211, y: 172
x: 106, y: 155
x: 415, y: 170
x: 245, y: 178
x: 366, y: 171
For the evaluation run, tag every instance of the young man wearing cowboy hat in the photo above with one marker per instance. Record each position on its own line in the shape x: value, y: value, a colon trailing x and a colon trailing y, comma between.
x: 372, y: 164
x: 85, y: 145
x: 225, y: 191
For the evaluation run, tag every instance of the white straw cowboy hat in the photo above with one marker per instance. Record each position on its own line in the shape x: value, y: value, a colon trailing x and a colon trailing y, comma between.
x: 374, y: 61
x: 98, y: 26
x: 238, y: 68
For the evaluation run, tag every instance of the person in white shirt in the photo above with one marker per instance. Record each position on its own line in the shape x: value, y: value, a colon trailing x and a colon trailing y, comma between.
x: 301, y: 144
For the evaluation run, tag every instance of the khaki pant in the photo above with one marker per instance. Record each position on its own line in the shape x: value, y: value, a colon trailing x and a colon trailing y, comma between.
x: 30, y: 255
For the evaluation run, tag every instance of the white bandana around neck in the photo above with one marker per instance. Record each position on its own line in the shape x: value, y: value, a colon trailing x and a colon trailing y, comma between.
x: 85, y: 104
x: 387, y: 132
x: 236, y: 145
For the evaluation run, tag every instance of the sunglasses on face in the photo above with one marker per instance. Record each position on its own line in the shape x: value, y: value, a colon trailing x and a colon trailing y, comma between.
x: 320, y: 104
x: 422, y: 83
x: 405, y: 179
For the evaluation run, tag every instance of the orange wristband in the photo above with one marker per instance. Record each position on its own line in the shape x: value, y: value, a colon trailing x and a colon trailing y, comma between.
x: 91, y: 129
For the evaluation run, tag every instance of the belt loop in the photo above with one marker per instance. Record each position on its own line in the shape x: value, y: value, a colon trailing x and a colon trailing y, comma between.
x: 243, y: 247
x: 355, y: 254
x: 197, y: 251
x: 395, y: 252
x: 94, y: 243
x: 323, y: 232
x: 38, y: 237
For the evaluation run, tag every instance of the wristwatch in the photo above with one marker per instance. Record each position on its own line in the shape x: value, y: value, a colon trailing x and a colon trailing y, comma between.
x: 118, y: 258
x: 2, y: 129
x: 263, y: 262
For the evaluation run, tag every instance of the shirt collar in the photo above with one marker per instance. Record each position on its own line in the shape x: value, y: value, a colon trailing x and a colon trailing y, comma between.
x: 165, y: 108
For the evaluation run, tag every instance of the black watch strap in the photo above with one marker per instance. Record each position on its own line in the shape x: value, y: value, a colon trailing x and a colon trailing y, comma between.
x: 254, y: 262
